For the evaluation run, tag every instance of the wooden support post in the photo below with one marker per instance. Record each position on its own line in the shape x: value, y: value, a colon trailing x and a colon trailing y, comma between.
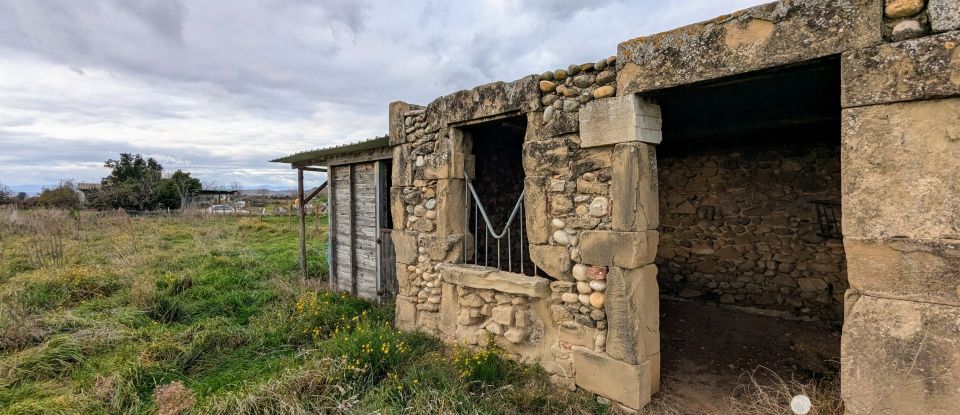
x: 353, y: 231
x: 303, y: 225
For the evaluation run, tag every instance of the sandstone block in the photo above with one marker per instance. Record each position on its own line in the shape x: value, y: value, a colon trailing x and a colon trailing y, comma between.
x: 764, y: 36
x: 402, y: 174
x: 503, y: 315
x: 445, y: 248
x: 489, y: 100
x: 923, y: 68
x: 450, y: 201
x: 907, y: 269
x: 619, y: 249
x: 619, y: 120
x: 452, y: 166
x: 554, y: 260
x: 449, y: 309
x: 405, y: 317
x: 474, y: 276
x: 900, y: 357
x: 631, y: 385
x: 537, y: 224
x: 576, y: 334
x: 546, y: 157
x: 633, y: 313
x: 899, y: 161
x: 635, y: 204
x: 397, y: 126
x: 405, y: 246
x: 397, y: 209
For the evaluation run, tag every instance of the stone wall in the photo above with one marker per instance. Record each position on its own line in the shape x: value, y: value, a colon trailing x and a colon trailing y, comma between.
x: 738, y: 228
x: 592, y: 204
x: 590, y: 219
x: 900, y: 129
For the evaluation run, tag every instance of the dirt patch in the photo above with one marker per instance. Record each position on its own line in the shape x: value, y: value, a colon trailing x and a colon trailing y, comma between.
x: 174, y: 399
x: 708, y: 351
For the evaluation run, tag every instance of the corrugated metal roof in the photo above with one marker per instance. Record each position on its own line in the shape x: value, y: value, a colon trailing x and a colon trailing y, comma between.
x: 369, y: 144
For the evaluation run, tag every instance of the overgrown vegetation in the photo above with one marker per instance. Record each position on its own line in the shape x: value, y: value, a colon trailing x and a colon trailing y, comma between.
x: 177, y: 315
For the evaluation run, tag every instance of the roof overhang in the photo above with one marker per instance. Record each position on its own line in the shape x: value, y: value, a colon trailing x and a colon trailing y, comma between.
x: 326, y: 155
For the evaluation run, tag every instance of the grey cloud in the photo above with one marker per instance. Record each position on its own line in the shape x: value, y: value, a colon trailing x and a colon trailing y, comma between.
x: 164, y: 17
x: 222, y: 87
x: 561, y: 9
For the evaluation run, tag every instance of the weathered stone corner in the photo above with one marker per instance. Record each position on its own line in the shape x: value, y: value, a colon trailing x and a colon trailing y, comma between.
x: 895, y: 352
x: 629, y: 384
x: 396, y: 119
x: 619, y: 120
x: 554, y: 260
x: 619, y: 249
x: 633, y: 193
x: 633, y: 314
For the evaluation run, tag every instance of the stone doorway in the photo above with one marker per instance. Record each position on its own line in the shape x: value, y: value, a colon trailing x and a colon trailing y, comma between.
x: 749, y: 191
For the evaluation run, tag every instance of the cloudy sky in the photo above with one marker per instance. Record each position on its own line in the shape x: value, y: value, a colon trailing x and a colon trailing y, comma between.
x: 220, y: 87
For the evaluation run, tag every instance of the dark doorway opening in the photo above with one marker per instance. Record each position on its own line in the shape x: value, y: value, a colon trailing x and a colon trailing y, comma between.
x: 497, y: 147
x: 751, y: 264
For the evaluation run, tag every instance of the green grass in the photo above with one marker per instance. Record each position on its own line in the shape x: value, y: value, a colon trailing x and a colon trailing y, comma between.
x: 216, y: 308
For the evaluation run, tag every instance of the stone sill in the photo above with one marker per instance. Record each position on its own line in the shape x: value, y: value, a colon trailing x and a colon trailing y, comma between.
x: 475, y: 276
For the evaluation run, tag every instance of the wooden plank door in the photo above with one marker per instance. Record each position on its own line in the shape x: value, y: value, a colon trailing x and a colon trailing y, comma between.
x: 365, y: 230
x: 388, y: 257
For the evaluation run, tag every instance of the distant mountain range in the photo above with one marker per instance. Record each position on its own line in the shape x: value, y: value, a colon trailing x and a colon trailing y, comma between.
x: 259, y: 190
x: 268, y: 192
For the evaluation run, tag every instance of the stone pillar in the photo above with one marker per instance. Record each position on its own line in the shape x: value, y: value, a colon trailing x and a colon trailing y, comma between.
x: 901, y: 221
x: 627, y: 128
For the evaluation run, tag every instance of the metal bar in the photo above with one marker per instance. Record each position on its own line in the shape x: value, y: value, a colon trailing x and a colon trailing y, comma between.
x: 303, y: 225
x: 466, y: 217
x: 521, y: 238
x: 509, y: 253
x: 498, y: 252
x: 476, y: 236
x: 486, y: 218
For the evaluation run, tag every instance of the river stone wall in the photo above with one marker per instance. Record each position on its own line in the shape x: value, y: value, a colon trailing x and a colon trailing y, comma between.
x: 740, y: 229
x: 590, y: 219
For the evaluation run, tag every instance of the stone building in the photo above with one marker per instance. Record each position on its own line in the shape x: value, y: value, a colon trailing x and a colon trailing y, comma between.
x: 798, y: 157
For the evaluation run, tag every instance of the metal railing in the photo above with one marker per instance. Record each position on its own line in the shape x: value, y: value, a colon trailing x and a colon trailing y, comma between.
x: 479, y: 212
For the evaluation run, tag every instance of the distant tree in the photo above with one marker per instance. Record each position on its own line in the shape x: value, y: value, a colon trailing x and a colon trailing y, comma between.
x: 132, y: 167
x: 6, y: 195
x: 64, y: 196
x: 136, y: 183
x: 184, y: 186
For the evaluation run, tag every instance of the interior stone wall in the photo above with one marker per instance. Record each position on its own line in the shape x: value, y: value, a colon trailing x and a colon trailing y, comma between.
x: 739, y: 228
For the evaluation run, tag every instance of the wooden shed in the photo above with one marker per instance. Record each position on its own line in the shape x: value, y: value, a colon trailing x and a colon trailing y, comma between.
x: 362, y: 260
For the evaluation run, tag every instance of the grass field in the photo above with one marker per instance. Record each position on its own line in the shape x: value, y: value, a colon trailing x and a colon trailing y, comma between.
x: 104, y: 313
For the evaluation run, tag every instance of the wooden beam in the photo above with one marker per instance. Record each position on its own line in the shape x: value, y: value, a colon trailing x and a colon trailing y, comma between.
x: 332, y: 214
x: 349, y: 158
x: 316, y: 192
x: 303, y: 226
x: 316, y: 169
